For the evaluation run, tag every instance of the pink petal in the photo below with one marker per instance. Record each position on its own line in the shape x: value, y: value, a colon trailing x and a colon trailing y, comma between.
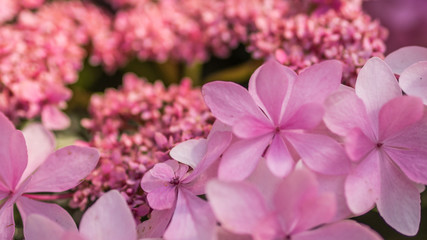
x: 320, y: 153
x: 192, y: 219
x: 229, y: 101
x: 279, y: 160
x: 109, y: 218
x: 362, y: 185
x: 40, y: 143
x: 223, y: 234
x: 404, y: 57
x: 268, y: 228
x: 399, y: 200
x: 299, y: 204
x: 376, y: 85
x: 347, y: 229
x: 413, y: 80
x: 216, y: 145
x: 315, y: 83
x: 307, y: 116
x: 271, y: 84
x: 189, y: 152
x: 265, y: 181
x: 156, y: 226
x: 39, y: 227
x: 7, y: 223
x: 163, y: 197
x: 238, y: 206
x: 54, y: 119
x: 13, y: 154
x: 51, y: 211
x: 398, y: 114
x: 250, y: 127
x: 240, y: 159
x: 163, y: 171
x: 64, y: 169
x: 344, y: 112
x: 358, y: 145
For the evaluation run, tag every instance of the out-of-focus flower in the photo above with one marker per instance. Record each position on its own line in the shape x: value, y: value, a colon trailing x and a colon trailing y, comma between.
x: 277, y: 114
x: 43, y: 52
x: 385, y: 135
x: 108, y: 219
x: 134, y: 128
x: 10, y: 8
x: 41, y: 170
x: 296, y: 210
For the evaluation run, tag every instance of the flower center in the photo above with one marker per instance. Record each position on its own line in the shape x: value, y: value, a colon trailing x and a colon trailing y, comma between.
x: 174, y: 181
x: 379, y: 145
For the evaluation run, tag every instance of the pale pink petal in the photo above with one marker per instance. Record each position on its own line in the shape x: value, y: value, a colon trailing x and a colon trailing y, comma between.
x: 229, y: 101
x: 272, y: 85
x: 39, y: 227
x: 320, y: 153
x: 223, y: 234
x: 240, y: 159
x: 399, y: 201
x: 216, y: 145
x: 404, y: 57
x: 344, y: 112
x: 335, y: 184
x: 347, y: 229
x: 54, y: 119
x: 357, y: 144
x: 163, y: 197
x: 163, y: 171
x: 398, y: 114
x: 279, y: 160
x: 413, y: 80
x: 189, y: 152
x: 72, y: 236
x: 314, y: 84
x: 64, y: 169
x: 40, y: 143
x: 7, y: 223
x: 250, y: 127
x: 13, y: 154
x: 265, y: 181
x: 52, y: 211
x: 109, y: 218
x: 307, y: 116
x: 219, y: 126
x: 291, y: 195
x: 362, y: 185
x: 268, y: 228
x: 156, y: 226
x: 376, y: 85
x: 315, y: 211
x: 238, y: 206
x: 192, y: 219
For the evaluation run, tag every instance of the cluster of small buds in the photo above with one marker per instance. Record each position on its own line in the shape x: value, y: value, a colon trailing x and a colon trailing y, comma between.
x: 42, y: 52
x: 10, y: 8
x: 301, y: 40
x: 134, y: 128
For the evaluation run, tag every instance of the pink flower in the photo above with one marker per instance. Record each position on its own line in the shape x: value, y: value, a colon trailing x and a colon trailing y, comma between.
x: 42, y: 170
x: 385, y: 135
x: 276, y: 114
x: 411, y: 64
x: 170, y: 186
x: 108, y: 219
x: 296, y: 210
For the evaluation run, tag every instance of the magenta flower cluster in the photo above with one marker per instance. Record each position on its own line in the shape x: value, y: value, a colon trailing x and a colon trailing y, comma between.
x: 134, y: 128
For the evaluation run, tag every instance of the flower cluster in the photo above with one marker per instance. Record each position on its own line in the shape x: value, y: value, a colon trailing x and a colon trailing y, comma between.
x: 10, y: 8
x: 134, y: 128
x: 293, y: 157
x: 298, y: 33
x: 43, y: 52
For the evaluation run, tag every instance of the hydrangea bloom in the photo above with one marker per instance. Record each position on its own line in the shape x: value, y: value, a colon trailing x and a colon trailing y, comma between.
x: 385, y: 136
x: 41, y: 170
x: 169, y: 185
x: 46, y: 48
x: 296, y: 210
x: 278, y: 112
x: 108, y: 219
x: 134, y: 128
